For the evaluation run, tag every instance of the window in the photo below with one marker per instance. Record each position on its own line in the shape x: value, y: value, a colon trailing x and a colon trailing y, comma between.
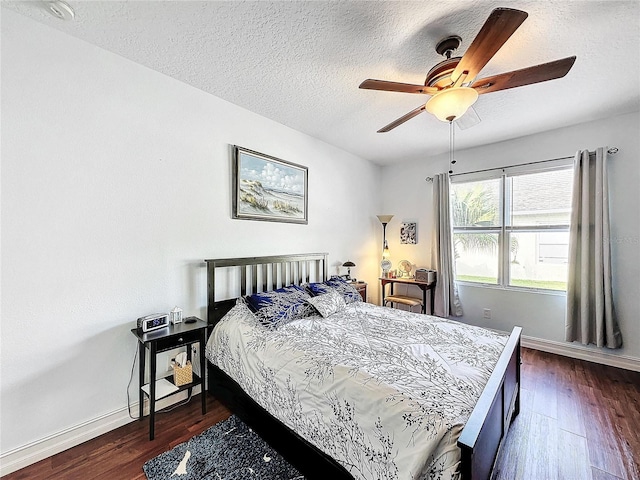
x: 511, y: 226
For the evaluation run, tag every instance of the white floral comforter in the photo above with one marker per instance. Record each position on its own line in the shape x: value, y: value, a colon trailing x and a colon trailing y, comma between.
x: 384, y: 392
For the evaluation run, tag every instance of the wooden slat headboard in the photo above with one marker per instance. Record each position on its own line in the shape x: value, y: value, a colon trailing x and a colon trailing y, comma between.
x: 262, y: 274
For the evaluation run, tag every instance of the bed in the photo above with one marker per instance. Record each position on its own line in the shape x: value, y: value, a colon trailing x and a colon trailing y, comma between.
x: 366, y: 409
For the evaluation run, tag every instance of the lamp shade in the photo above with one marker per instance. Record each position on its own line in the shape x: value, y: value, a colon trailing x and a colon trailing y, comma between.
x: 452, y: 103
x: 384, y: 218
x: 348, y: 263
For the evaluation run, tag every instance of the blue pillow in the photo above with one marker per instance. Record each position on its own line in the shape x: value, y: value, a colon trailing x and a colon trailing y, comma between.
x: 280, y: 306
x: 316, y: 289
x: 347, y: 290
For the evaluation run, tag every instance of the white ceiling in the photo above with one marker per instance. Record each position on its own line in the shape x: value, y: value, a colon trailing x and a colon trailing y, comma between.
x: 300, y: 63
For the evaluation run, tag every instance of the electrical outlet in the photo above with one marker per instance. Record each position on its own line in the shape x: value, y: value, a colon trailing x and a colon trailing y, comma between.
x: 170, y: 362
x: 486, y: 313
x: 194, y: 349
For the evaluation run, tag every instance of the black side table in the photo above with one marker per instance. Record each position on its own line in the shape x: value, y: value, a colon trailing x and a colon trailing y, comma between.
x: 164, y: 339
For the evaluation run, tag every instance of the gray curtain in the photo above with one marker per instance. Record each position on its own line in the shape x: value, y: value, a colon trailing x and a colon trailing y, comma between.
x: 446, y: 300
x: 590, y: 313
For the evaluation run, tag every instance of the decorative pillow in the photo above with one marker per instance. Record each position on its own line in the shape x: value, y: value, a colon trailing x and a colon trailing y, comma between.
x: 328, y: 303
x: 318, y: 288
x: 343, y: 287
x: 280, y: 306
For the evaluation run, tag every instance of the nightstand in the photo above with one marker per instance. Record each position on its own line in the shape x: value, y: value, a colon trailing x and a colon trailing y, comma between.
x: 361, y: 287
x: 168, y: 338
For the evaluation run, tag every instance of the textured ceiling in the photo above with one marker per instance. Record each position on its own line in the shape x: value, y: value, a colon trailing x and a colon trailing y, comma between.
x: 300, y: 63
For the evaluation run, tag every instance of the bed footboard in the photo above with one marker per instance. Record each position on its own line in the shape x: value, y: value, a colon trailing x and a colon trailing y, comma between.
x: 489, y: 422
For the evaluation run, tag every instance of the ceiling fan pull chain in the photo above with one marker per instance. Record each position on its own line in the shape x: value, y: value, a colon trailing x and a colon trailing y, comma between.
x: 451, y: 144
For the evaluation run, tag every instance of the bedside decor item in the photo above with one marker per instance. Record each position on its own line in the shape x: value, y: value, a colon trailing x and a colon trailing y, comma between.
x: 152, y: 322
x: 349, y: 264
x: 422, y: 275
x: 175, y: 315
x: 182, y: 370
x: 425, y: 275
x: 408, y: 233
x: 267, y: 188
x: 404, y: 269
x: 385, y: 264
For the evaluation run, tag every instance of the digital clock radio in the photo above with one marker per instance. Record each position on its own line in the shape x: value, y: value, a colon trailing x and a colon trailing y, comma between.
x: 153, y: 322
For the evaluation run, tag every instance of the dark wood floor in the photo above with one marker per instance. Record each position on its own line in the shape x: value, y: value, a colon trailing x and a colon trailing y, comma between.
x: 578, y: 421
x: 120, y: 454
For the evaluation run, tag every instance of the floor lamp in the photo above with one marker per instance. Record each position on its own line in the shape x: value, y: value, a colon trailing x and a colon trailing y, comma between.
x: 385, y: 263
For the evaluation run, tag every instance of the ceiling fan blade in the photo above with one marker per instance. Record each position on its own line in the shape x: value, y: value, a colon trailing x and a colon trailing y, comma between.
x: 402, y: 119
x: 500, y: 25
x: 371, y: 84
x: 525, y: 76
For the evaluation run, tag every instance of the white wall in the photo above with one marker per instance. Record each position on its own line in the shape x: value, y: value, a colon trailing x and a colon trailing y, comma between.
x: 408, y: 196
x: 115, y: 187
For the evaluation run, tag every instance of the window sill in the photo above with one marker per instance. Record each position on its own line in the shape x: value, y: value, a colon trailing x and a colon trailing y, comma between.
x: 539, y: 291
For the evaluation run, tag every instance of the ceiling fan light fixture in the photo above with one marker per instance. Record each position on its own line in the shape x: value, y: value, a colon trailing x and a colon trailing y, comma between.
x: 451, y: 103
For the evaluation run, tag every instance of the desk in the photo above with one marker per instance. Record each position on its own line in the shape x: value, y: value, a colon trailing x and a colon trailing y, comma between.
x: 424, y: 286
x: 168, y: 338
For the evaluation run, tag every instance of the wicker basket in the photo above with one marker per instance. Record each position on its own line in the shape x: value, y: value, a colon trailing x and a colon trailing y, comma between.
x: 182, y: 375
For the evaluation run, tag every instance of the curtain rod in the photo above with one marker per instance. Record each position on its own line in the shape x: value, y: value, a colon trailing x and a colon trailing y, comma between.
x: 610, y: 151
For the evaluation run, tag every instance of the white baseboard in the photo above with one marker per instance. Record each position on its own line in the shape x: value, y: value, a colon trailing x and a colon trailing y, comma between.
x: 39, y: 450
x: 46, y: 447
x: 581, y: 352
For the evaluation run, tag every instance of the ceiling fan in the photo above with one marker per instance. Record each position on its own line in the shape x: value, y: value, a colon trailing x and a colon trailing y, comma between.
x: 452, y: 83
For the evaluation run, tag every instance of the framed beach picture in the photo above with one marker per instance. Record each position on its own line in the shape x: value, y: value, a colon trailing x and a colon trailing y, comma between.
x: 267, y: 188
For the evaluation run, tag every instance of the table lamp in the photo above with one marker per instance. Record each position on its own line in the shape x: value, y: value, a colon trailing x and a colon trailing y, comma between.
x: 349, y: 264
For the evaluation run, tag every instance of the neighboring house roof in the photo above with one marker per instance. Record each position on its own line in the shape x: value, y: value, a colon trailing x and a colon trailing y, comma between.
x: 542, y: 192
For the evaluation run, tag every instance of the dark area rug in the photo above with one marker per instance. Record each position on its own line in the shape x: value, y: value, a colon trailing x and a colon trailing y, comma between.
x: 227, y: 451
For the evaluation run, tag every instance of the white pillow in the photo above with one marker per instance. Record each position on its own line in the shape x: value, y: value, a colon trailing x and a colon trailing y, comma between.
x: 328, y: 303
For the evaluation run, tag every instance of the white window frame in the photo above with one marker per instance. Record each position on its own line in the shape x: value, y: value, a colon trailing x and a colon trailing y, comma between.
x: 504, y: 230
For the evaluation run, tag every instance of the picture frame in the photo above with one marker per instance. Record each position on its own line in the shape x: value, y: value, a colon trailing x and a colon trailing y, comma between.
x: 268, y: 189
x: 409, y: 233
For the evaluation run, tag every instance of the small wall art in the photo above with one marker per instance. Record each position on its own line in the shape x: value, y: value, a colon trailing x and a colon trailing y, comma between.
x: 267, y: 188
x: 408, y: 233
